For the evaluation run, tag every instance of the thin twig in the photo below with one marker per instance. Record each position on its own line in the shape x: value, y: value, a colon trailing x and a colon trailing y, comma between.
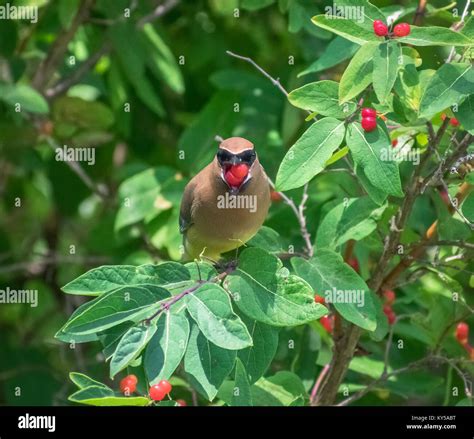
x: 457, y: 26
x: 317, y: 385
x: 275, y: 82
x: 64, y: 85
x: 159, y: 11
x: 299, y: 213
x: 100, y: 190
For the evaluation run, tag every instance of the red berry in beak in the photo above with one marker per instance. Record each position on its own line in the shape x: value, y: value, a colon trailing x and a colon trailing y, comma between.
x: 232, y: 180
x: 240, y: 171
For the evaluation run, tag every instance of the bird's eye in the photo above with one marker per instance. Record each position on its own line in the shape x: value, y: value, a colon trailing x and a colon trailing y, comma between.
x: 223, y: 156
x: 248, y: 157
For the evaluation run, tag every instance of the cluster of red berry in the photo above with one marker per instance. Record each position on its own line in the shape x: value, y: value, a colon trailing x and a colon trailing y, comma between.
x: 462, y: 336
x: 389, y: 298
x: 453, y: 121
x: 128, y: 385
x: 328, y: 320
x: 400, y: 30
x: 369, y: 119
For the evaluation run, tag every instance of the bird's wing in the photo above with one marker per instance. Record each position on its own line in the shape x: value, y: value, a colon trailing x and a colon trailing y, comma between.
x: 185, y: 216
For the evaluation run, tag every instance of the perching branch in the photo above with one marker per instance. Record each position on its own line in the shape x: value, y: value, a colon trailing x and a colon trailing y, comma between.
x: 165, y: 306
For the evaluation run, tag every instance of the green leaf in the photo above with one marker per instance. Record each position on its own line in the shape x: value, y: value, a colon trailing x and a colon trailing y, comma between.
x: 206, y: 364
x: 109, y: 277
x: 142, y: 196
x: 161, y: 60
x: 354, y: 218
x: 28, y: 98
x: 268, y: 294
x: 386, y: 65
x: 435, y: 36
x: 345, y: 28
x: 308, y: 155
x: 468, y: 207
x: 86, y: 115
x: 254, y: 5
x: 132, y: 54
x: 268, y: 239
x: 130, y: 347
x: 257, y: 358
x: 465, y: 112
x: 449, y: 85
x: 337, y: 51
x: 167, y: 347
x: 358, y: 74
x: 111, y: 337
x: 377, y: 195
x: 114, y: 307
x: 281, y: 389
x: 100, y: 396
x: 321, y: 97
x: 82, y: 381
x: 338, y: 155
x: 211, y: 309
x: 368, y: 151
x: 332, y: 278
x: 242, y: 396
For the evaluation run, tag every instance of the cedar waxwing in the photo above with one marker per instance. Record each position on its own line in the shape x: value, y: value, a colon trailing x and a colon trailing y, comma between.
x: 226, y: 203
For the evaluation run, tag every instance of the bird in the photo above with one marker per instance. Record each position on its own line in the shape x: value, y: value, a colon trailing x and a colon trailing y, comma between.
x: 226, y: 203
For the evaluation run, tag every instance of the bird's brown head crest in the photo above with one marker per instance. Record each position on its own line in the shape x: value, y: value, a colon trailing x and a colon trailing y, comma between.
x: 236, y: 157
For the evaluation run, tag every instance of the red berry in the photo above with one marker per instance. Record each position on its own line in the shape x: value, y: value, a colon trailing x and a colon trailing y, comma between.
x: 462, y: 333
x: 354, y: 263
x: 391, y: 316
x: 240, y: 171
x: 276, y: 196
x: 319, y: 299
x: 389, y: 297
x: 402, y: 30
x: 368, y: 112
x: 181, y: 402
x: 165, y: 386
x: 128, y: 385
x: 454, y: 122
x: 326, y: 321
x: 156, y: 393
x: 369, y: 123
x: 380, y: 29
x: 232, y: 180
x: 394, y: 142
